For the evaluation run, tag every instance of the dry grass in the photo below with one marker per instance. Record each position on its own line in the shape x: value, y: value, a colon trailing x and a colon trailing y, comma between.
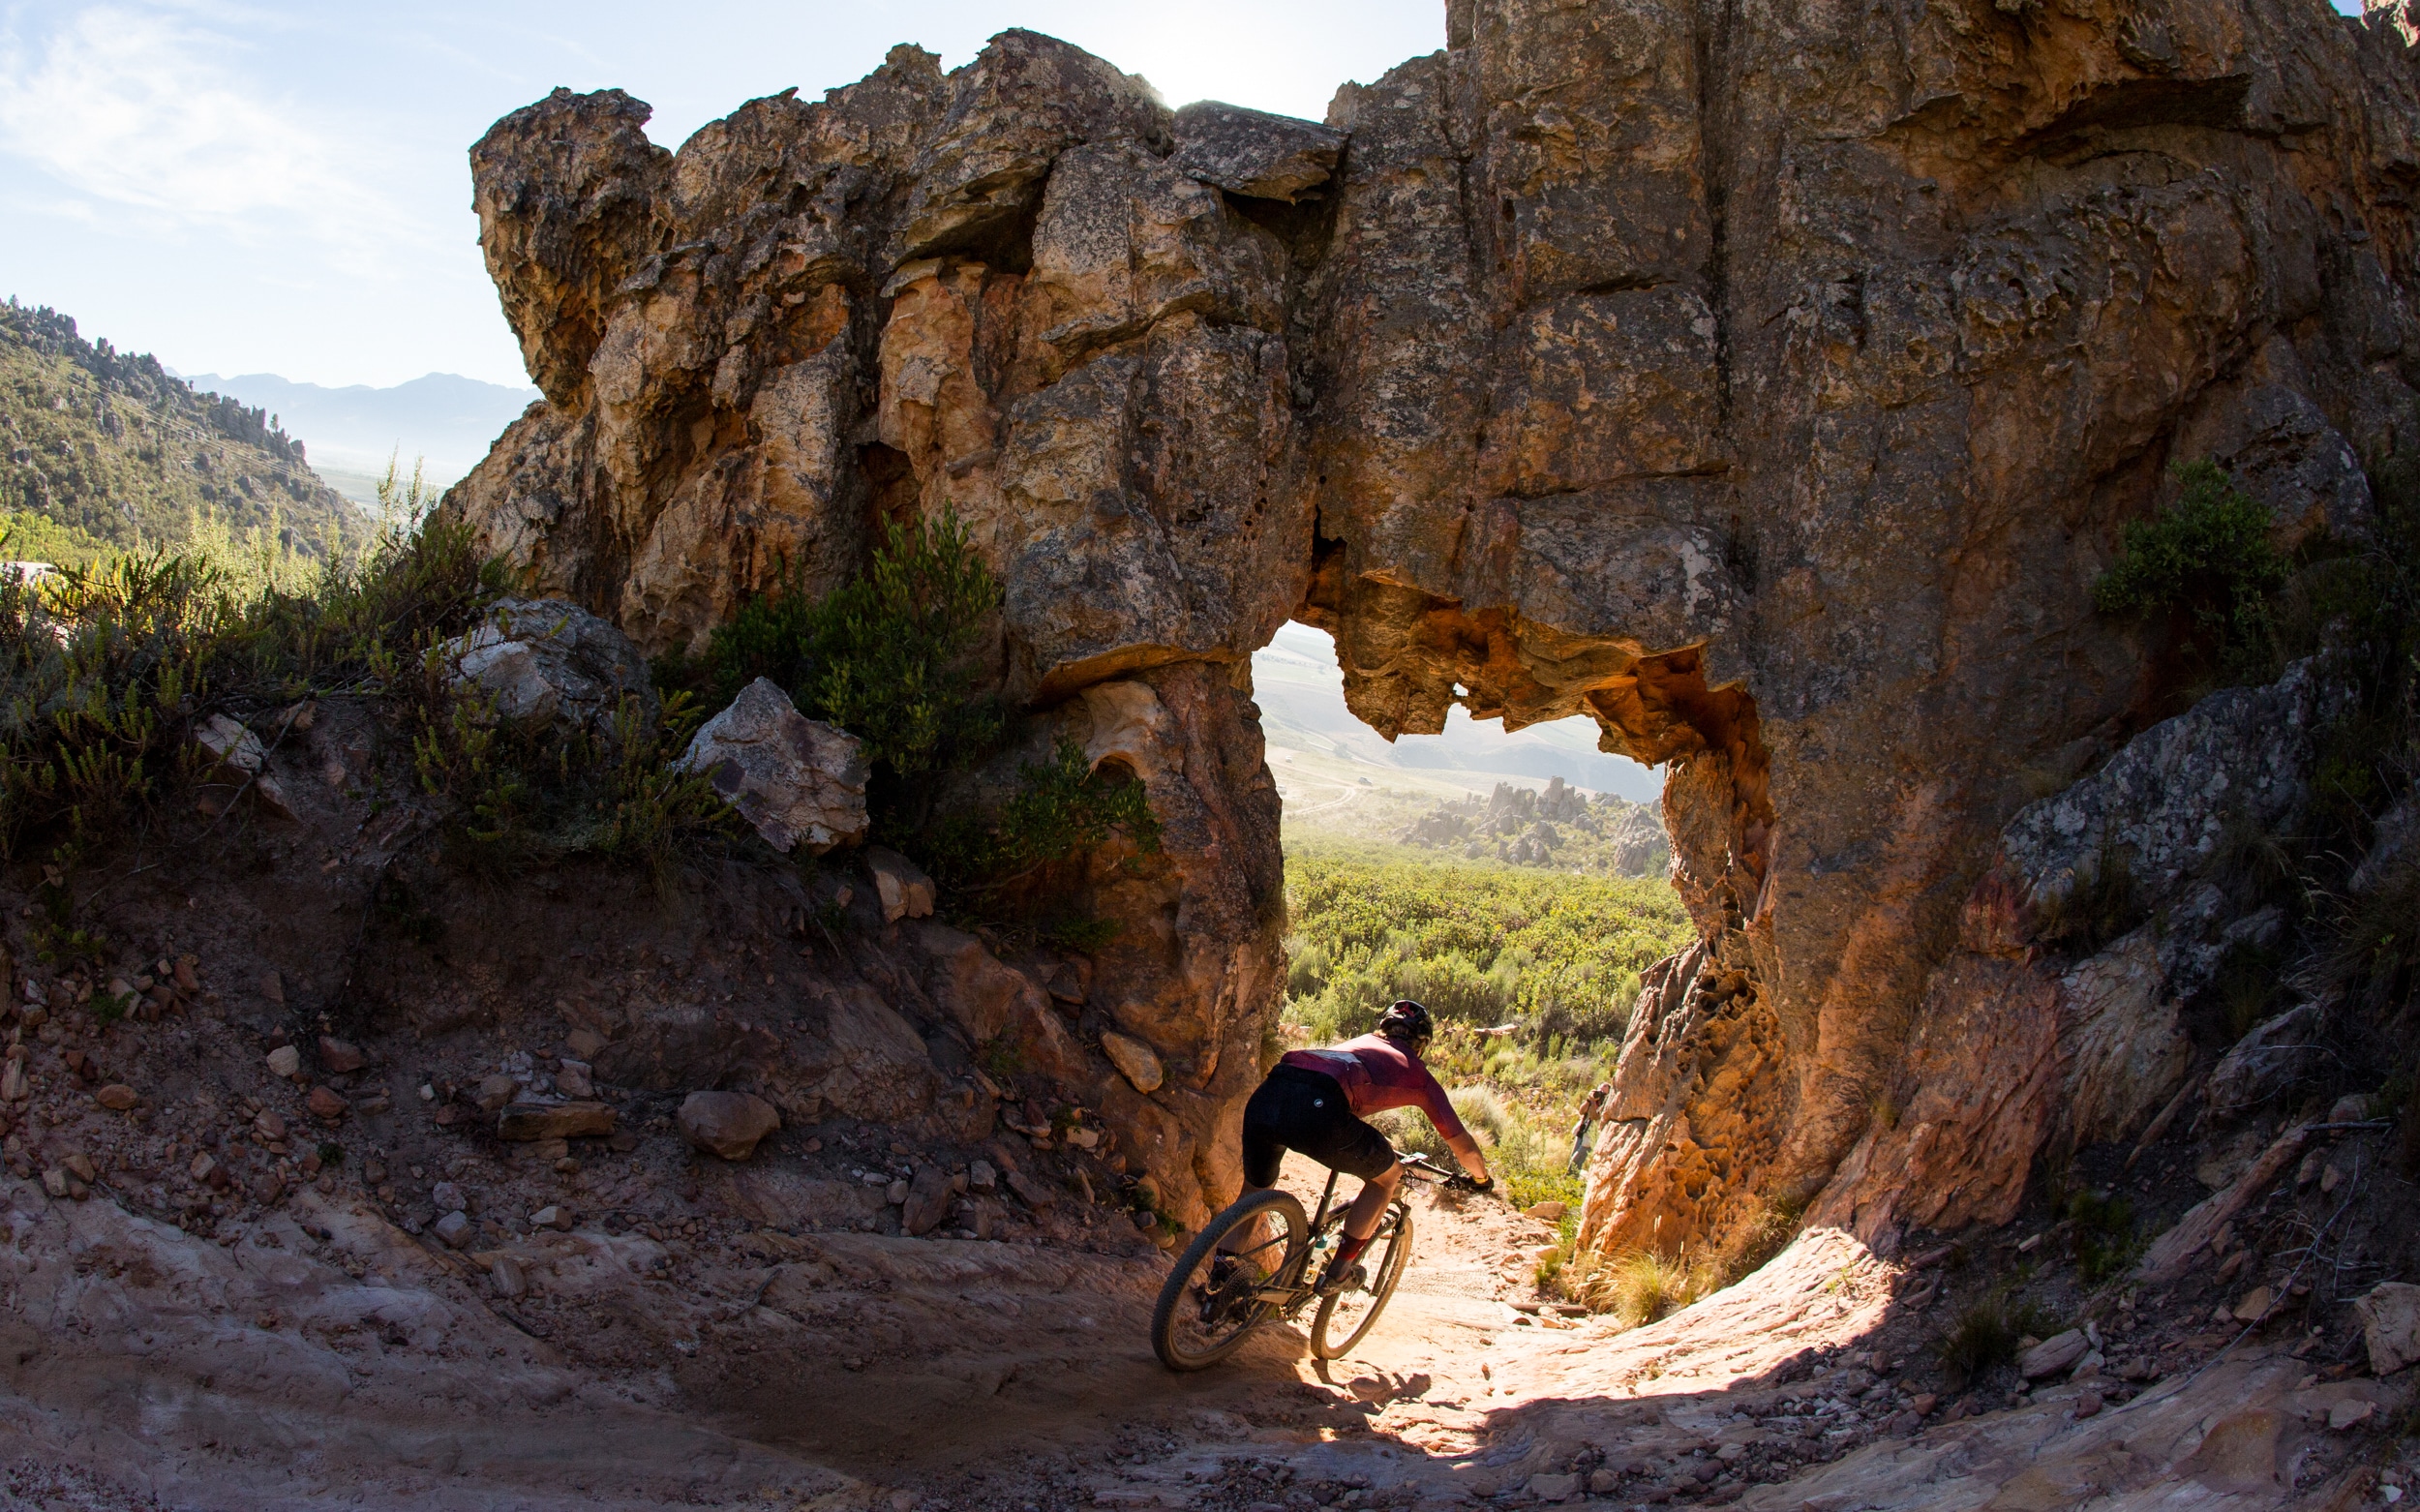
x: 1638, y: 1287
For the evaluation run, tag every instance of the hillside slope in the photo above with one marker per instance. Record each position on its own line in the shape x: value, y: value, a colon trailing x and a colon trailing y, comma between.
x: 105, y: 451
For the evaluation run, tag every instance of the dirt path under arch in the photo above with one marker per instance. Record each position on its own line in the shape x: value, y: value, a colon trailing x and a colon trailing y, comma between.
x: 145, y: 1367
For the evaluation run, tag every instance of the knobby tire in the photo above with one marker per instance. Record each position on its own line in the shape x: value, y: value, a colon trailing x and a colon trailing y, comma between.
x: 1179, y: 1297
x: 1386, y: 1274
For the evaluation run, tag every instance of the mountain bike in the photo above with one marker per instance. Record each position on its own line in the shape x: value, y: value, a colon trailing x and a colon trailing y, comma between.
x: 1216, y: 1297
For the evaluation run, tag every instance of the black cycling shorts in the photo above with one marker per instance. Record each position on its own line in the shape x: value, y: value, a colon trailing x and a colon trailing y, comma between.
x: 1307, y: 1111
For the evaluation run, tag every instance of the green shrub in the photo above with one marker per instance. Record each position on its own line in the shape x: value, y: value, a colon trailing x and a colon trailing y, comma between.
x: 104, y: 668
x: 2206, y: 555
x: 890, y: 657
x: 1062, y: 808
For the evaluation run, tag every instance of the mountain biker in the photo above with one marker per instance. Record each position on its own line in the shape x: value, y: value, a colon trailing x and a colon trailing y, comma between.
x: 1313, y: 1103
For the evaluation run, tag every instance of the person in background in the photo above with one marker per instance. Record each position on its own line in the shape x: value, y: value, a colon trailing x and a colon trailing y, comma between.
x: 1591, y: 1108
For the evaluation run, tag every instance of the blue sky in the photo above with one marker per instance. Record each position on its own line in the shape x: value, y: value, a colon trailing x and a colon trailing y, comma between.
x: 282, y: 187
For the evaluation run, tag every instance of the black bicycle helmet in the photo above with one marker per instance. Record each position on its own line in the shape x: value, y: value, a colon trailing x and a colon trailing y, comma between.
x: 1408, y: 1020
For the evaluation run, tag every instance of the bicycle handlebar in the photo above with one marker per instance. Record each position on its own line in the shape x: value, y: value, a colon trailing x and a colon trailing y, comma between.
x: 1427, y: 1169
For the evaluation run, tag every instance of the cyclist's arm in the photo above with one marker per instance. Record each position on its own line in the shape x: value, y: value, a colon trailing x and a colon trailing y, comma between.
x: 1467, y: 1151
x: 1440, y: 1111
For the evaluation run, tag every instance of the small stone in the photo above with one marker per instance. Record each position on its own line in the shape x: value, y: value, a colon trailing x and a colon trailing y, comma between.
x: 2255, y: 1306
x: 1603, y: 1482
x: 449, y: 1198
x: 285, y: 1060
x: 1138, y: 1063
x: 905, y: 890
x: 896, y: 1193
x: 1548, y: 1211
x: 118, y: 1097
x: 80, y: 1166
x: 584, y: 1044
x: 232, y: 751
x: 203, y: 1168
x: 1036, y: 1195
x: 572, y: 1081
x: 981, y: 1177
x: 510, y: 1281
x: 273, y: 987
x: 528, y: 1121
x: 495, y: 1092
x: 1925, y: 1403
x: 1554, y: 1487
x: 54, y: 1182
x: 270, y: 794
x: 927, y: 1201
x: 325, y: 1102
x: 336, y: 1057
x: 13, y: 1085
x: 2350, y: 1411
x: 554, y: 1215
x: 728, y: 1124
x: 456, y: 1230
x: 1732, y: 1453
x: 2053, y: 1354
x: 270, y: 1125
x: 2353, y: 1107
x: 1903, y: 1423
x: 2088, y: 1405
x: 2390, y: 1325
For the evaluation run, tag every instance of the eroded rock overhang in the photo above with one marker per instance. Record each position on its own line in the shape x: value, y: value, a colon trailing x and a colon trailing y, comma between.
x: 1769, y: 386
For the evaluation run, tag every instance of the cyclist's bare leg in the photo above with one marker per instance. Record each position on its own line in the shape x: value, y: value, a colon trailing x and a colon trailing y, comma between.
x: 1362, y: 1218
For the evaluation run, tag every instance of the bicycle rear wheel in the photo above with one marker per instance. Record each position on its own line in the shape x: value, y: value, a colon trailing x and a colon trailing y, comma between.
x: 1348, y: 1314
x: 1211, y: 1300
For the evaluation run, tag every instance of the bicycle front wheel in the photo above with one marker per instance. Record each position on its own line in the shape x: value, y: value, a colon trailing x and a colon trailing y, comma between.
x: 1212, y: 1299
x: 1349, y: 1313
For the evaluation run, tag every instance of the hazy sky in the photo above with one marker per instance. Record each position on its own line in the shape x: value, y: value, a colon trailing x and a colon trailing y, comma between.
x: 282, y: 187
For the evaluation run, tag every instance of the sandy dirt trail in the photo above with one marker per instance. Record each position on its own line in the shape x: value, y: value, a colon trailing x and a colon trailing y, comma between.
x: 147, y: 1368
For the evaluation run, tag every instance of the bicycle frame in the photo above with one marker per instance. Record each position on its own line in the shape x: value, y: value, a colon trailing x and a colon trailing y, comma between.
x: 1289, y: 1289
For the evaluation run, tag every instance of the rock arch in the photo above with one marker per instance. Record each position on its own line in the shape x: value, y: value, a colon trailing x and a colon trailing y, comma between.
x: 1769, y: 386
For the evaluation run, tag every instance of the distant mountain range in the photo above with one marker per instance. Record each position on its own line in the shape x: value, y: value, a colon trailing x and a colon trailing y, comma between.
x: 1301, y: 693
x: 449, y: 419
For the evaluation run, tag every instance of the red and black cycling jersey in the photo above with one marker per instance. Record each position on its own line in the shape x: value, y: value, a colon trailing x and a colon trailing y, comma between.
x: 1377, y: 1074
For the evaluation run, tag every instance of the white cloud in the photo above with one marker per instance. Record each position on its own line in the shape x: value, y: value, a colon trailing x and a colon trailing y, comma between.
x: 145, y: 112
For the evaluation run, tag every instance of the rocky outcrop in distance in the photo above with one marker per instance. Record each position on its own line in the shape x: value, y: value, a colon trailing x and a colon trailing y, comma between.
x: 1770, y: 387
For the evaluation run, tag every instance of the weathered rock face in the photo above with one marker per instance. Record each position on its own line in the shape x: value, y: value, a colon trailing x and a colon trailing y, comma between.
x: 1770, y: 387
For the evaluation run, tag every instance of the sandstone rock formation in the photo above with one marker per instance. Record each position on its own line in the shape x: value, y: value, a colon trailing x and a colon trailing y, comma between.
x: 1769, y: 386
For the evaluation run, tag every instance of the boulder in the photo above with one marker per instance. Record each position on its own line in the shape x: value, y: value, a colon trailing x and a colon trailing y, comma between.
x: 2163, y: 801
x: 527, y: 1121
x: 1135, y: 1060
x: 2054, y: 1354
x: 2390, y: 1325
x: 547, y: 661
x: 927, y: 1201
x: 904, y: 889
x: 799, y: 781
x: 2265, y: 1063
x: 728, y: 1124
x: 1253, y: 153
